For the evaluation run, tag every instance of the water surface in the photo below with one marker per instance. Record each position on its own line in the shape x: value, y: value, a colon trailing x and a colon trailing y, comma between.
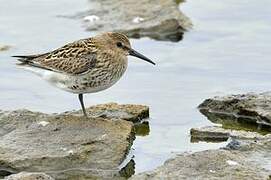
x: 226, y: 52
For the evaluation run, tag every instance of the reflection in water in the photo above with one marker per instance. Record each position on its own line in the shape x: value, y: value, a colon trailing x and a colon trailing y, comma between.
x: 230, y: 121
x: 213, y: 139
x: 4, y: 172
x: 128, y: 170
x: 142, y: 129
x: 127, y: 167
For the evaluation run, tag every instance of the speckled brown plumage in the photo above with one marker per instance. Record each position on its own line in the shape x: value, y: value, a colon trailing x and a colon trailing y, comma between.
x: 74, y: 58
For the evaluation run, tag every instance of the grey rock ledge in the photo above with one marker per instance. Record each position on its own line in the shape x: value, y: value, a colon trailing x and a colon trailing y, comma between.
x: 68, y: 146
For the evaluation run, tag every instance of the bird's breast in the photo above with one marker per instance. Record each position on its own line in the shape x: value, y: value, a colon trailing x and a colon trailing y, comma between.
x: 102, y: 76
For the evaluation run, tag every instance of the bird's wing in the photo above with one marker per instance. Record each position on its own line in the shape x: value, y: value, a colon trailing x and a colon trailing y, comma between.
x: 74, y: 58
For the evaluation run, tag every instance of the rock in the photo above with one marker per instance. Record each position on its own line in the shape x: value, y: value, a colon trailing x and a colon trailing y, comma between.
x: 69, y: 146
x: 252, y: 161
x: 217, y: 133
x: 157, y: 19
x: 134, y: 113
x: 246, y: 111
x: 29, y: 176
x: 4, y: 47
x: 246, y: 120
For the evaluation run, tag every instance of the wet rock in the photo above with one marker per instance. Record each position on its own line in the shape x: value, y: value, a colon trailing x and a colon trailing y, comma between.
x: 245, y: 111
x: 29, y: 176
x: 157, y: 19
x: 4, y: 47
x: 252, y: 161
x: 217, y: 133
x: 69, y: 146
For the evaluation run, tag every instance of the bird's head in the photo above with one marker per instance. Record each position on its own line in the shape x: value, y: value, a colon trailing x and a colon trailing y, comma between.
x: 119, y: 43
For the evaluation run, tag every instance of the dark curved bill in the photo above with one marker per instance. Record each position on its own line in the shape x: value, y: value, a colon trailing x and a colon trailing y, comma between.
x: 138, y: 55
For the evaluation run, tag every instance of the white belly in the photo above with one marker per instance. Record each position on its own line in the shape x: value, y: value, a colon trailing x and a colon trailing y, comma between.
x: 75, y: 83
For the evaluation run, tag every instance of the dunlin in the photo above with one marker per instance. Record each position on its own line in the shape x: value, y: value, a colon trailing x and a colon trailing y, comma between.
x: 84, y: 66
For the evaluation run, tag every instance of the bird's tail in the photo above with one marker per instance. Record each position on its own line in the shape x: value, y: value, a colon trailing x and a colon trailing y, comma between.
x: 25, y: 57
x: 26, y: 60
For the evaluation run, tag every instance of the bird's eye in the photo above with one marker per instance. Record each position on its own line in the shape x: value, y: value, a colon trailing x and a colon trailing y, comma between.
x: 119, y: 44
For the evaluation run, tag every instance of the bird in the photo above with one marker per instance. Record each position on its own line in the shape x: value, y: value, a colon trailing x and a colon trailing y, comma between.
x: 84, y: 66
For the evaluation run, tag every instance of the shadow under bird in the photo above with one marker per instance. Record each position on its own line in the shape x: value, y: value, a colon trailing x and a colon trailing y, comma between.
x: 84, y: 66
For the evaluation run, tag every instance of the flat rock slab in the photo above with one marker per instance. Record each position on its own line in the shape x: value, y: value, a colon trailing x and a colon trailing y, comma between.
x: 157, y: 19
x: 249, y: 109
x: 249, y: 162
x: 217, y: 134
x: 128, y: 112
x: 29, y: 176
x: 67, y: 146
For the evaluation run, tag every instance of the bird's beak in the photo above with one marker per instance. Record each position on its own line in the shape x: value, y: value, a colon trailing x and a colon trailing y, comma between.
x: 138, y: 55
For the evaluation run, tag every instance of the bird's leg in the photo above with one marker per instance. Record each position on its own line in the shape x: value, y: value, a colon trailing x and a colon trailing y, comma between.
x: 82, y: 104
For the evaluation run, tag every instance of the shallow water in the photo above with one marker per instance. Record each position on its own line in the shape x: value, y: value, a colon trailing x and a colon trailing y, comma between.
x: 226, y: 52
